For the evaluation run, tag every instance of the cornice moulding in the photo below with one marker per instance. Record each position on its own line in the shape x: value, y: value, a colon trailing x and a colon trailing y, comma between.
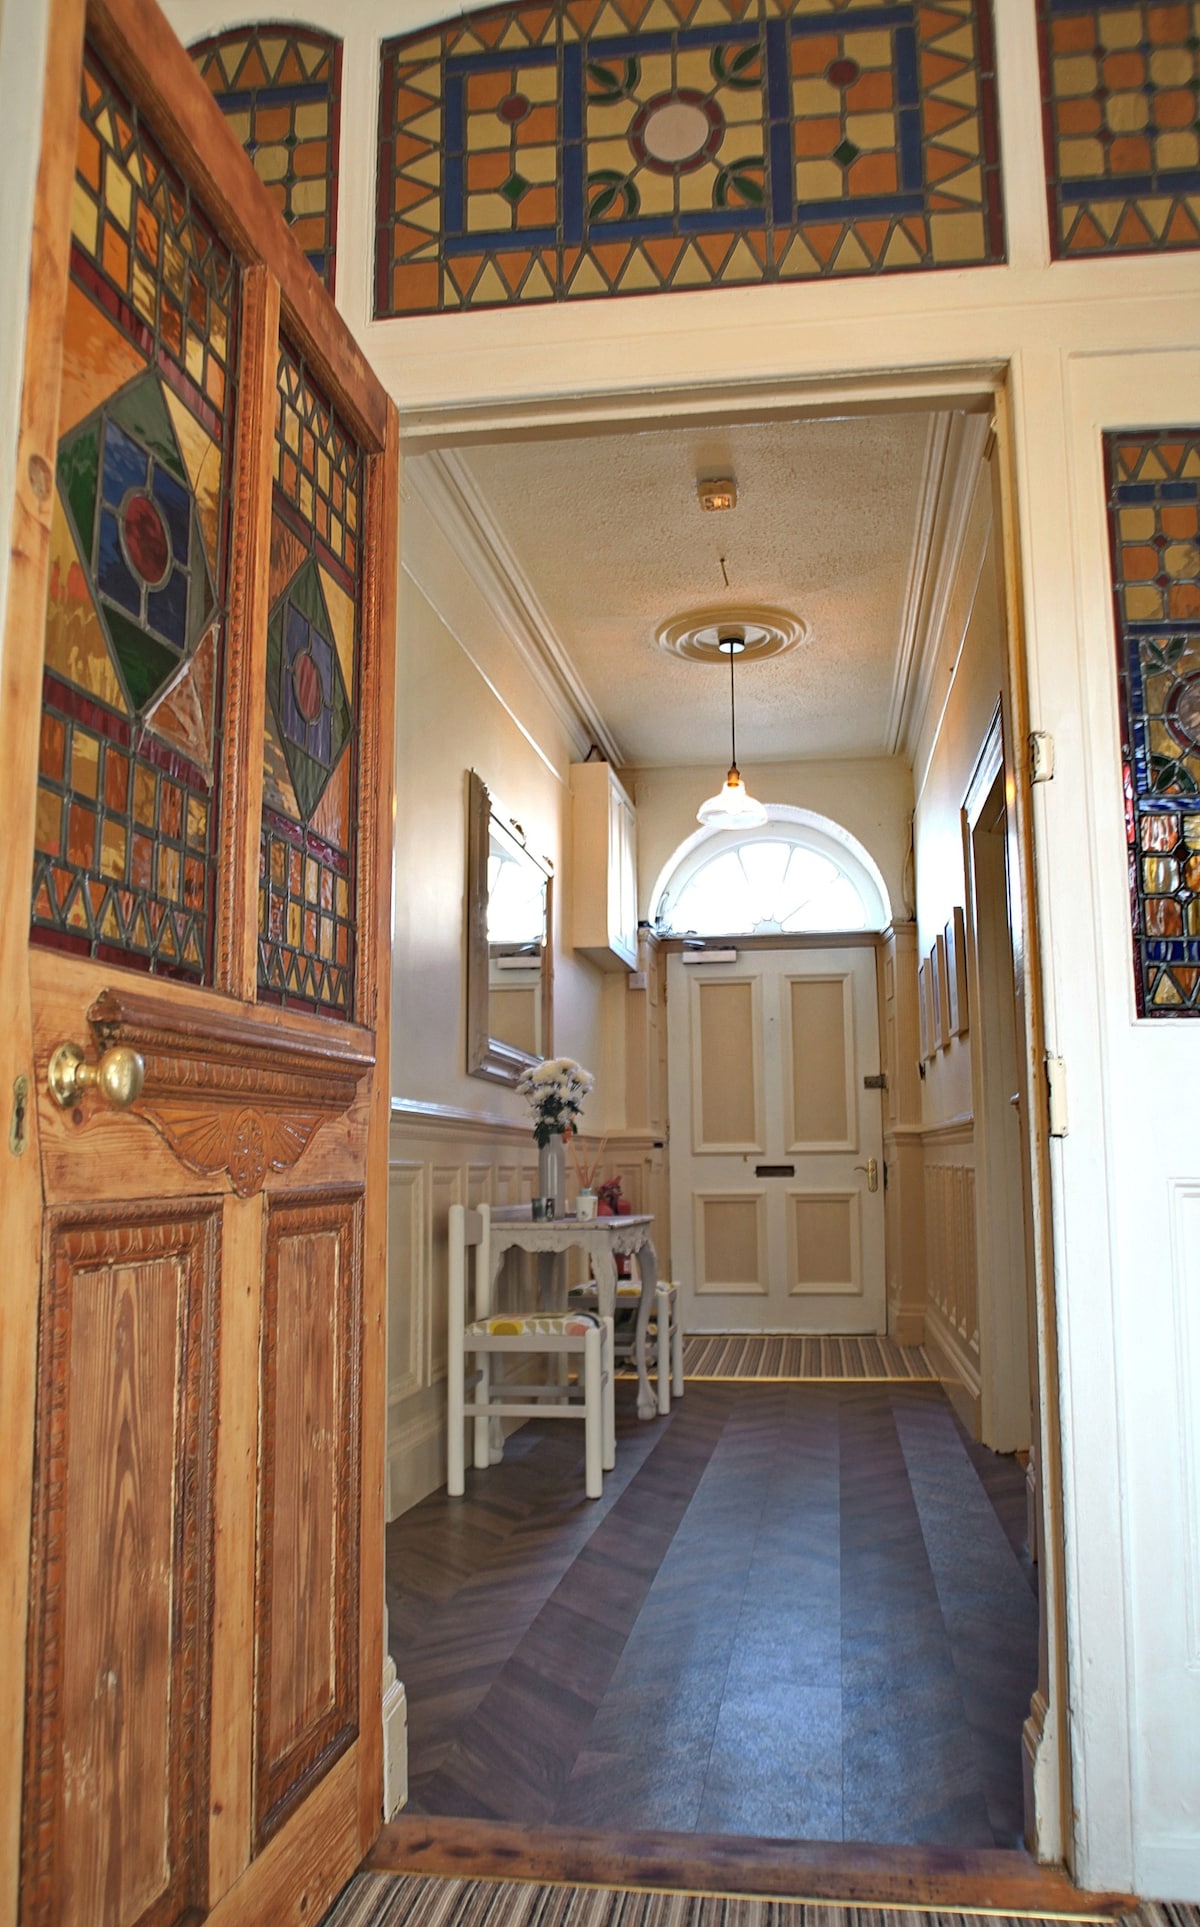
x: 444, y: 486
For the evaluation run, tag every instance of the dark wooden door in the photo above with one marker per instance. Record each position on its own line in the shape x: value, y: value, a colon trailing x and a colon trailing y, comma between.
x: 197, y: 694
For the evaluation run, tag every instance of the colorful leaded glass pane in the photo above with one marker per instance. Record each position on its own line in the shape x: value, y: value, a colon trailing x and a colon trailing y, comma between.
x: 126, y: 841
x: 307, y: 855
x: 594, y: 147
x: 1154, y: 526
x: 1120, y: 88
x: 280, y: 88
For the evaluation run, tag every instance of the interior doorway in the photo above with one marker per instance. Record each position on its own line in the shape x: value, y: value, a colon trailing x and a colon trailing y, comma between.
x: 560, y: 424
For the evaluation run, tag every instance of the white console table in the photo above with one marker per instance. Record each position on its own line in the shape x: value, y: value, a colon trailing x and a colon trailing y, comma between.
x: 605, y: 1240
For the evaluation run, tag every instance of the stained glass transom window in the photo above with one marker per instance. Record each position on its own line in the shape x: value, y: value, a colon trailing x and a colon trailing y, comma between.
x: 126, y: 842
x: 307, y: 855
x: 1121, y: 94
x: 1154, y: 523
x: 280, y: 88
x: 597, y: 147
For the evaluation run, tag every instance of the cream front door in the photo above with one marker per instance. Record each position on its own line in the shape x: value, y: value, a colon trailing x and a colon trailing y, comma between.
x: 776, y: 1146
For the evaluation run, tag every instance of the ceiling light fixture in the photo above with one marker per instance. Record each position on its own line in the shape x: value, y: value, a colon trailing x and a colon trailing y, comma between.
x: 717, y: 492
x: 731, y: 808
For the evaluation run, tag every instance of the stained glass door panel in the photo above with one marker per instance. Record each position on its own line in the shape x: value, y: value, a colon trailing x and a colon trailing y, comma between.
x: 127, y: 820
x: 307, y: 907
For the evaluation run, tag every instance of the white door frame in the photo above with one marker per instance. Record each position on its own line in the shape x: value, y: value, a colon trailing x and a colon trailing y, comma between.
x: 984, y: 385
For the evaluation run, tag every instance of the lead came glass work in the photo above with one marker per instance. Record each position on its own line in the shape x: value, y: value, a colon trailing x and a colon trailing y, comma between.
x: 1121, y: 104
x: 280, y: 88
x: 124, y: 866
x: 307, y: 852
x: 597, y: 147
x: 1154, y: 525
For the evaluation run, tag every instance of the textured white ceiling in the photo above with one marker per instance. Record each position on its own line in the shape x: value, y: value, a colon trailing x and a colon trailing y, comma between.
x: 608, y: 533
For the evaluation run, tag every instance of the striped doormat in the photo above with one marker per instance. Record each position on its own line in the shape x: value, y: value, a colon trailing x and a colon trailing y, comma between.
x: 770, y: 1355
x: 413, y: 1900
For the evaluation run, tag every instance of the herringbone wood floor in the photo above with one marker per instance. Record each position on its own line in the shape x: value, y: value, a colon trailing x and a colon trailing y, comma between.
x: 798, y: 1610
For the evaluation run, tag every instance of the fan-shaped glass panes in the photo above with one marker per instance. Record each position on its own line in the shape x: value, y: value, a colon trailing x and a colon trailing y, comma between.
x: 765, y: 886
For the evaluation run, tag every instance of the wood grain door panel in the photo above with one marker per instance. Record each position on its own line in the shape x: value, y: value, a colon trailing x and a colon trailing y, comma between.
x: 122, y: 1577
x: 307, y: 1593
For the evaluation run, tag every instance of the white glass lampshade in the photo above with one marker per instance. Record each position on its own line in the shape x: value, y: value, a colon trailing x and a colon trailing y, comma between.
x: 731, y: 808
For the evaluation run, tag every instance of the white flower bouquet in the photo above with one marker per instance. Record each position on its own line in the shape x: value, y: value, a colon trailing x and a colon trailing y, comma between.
x: 556, y: 1089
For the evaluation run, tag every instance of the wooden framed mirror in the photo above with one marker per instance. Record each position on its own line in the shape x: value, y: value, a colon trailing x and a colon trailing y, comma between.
x: 510, y: 961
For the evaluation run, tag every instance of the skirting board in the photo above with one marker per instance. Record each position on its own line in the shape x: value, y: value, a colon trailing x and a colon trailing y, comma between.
x: 395, y: 1741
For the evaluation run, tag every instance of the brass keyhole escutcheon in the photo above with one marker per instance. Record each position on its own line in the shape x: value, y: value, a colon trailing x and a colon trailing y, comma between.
x: 117, y: 1078
x: 18, y: 1132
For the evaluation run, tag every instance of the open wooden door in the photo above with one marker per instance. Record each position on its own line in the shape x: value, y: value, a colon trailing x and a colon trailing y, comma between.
x: 196, y: 864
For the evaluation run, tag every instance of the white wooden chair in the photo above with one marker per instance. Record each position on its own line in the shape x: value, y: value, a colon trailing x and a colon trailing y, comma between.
x: 474, y: 1329
x: 667, y: 1359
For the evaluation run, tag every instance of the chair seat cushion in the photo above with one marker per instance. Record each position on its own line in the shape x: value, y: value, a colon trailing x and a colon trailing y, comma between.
x: 561, y: 1324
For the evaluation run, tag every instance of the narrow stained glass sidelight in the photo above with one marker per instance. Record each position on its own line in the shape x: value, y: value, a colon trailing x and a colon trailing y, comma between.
x: 310, y: 797
x: 1154, y: 529
x: 1121, y: 107
x: 280, y: 88
x: 580, y: 148
x: 127, y: 804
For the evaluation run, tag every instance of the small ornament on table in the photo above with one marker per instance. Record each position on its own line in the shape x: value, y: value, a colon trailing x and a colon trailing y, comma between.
x: 587, y: 1170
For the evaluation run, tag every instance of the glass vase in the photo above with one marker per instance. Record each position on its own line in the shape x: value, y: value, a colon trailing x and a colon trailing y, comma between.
x: 550, y: 1173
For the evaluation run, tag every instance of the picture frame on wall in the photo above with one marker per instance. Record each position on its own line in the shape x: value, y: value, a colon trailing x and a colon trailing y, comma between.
x: 956, y: 973
x: 942, y: 993
x: 933, y: 1007
x: 923, y: 1010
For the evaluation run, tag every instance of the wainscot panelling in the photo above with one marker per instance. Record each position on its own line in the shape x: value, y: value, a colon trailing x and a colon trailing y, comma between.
x: 952, y: 1313
x: 903, y: 1153
x: 439, y: 1156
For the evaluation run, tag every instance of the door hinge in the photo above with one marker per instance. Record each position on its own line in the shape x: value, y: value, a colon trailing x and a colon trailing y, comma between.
x: 1056, y: 1092
x: 18, y: 1130
x: 876, y: 1082
x: 1041, y: 756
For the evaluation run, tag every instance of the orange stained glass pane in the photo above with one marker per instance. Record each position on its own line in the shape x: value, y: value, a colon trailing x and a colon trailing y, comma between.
x: 52, y: 747
x: 81, y: 836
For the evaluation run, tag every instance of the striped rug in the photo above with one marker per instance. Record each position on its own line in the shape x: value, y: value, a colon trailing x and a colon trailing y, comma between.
x: 390, y: 1900
x: 770, y: 1355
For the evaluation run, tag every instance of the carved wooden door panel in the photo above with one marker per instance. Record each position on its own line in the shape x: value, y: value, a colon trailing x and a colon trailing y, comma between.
x: 198, y: 666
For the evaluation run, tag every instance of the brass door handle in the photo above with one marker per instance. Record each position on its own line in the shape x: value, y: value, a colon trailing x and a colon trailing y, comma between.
x: 871, y: 1167
x: 118, y: 1077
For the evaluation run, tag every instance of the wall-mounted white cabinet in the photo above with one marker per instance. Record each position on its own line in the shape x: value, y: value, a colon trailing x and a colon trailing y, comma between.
x: 604, y: 877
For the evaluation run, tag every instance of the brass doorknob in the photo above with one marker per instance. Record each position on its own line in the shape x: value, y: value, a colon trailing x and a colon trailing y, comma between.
x: 871, y: 1167
x: 118, y: 1077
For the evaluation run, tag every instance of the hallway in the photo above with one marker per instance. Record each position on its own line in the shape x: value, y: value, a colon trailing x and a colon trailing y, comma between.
x: 799, y: 1611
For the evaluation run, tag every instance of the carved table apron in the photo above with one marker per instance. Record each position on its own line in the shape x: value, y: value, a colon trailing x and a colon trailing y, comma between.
x: 604, y: 1240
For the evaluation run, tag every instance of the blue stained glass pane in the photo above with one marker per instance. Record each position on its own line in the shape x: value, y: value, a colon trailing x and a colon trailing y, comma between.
x: 113, y: 574
x: 166, y: 609
x: 176, y: 510
x: 125, y: 464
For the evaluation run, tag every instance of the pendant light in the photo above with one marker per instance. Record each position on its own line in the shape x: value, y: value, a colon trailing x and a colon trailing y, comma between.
x: 731, y: 808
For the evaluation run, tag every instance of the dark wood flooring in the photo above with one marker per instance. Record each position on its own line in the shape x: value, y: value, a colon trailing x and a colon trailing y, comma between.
x: 798, y: 1611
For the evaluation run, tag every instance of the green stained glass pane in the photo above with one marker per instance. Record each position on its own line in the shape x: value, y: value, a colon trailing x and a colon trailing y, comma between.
x: 77, y: 472
x: 142, y: 410
x: 145, y: 664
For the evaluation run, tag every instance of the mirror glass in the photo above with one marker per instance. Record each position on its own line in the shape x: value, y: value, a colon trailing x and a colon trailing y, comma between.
x: 509, y: 977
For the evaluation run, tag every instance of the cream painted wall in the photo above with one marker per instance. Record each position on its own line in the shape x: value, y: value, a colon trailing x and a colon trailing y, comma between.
x: 466, y: 700
x: 969, y: 674
x: 872, y: 799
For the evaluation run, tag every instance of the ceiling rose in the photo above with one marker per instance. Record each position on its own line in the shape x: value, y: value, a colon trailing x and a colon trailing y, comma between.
x: 696, y: 635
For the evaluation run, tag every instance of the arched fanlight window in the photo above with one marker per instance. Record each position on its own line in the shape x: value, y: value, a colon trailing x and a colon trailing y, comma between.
x: 796, y: 875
